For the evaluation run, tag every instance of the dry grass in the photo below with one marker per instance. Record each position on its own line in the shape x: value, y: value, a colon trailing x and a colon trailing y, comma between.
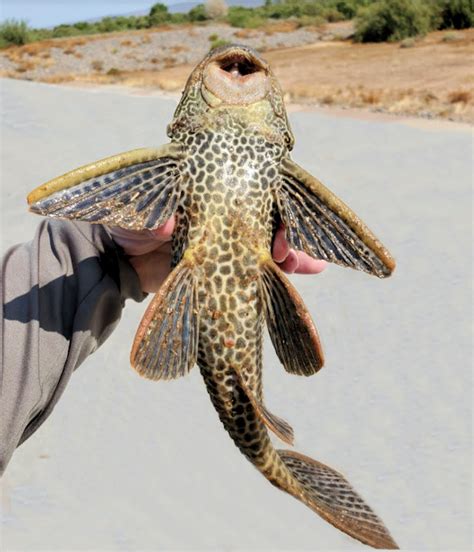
x: 246, y: 33
x: 286, y: 26
x: 97, y: 65
x: 460, y: 96
x: 177, y: 49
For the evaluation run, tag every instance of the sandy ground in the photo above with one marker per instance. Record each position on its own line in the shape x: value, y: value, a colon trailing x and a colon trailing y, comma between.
x: 127, y: 464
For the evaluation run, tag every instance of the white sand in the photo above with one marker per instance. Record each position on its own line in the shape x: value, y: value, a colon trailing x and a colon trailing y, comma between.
x: 126, y: 464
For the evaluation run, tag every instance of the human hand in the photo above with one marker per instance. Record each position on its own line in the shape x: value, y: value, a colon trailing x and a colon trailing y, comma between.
x: 150, y: 254
x: 292, y: 261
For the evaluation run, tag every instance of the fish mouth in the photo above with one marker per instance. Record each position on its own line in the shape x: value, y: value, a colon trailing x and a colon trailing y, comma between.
x: 236, y: 75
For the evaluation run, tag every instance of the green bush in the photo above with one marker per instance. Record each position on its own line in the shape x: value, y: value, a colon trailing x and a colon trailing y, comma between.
x: 14, y: 32
x: 391, y: 20
x: 312, y: 21
x: 245, y: 18
x: 178, y: 18
x: 82, y: 26
x: 348, y: 8
x: 64, y: 31
x: 158, y: 15
x: 455, y: 14
x: 198, y: 13
x: 332, y: 15
x: 218, y: 42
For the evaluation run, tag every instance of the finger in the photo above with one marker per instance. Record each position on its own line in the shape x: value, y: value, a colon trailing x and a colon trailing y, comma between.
x: 290, y: 264
x: 280, y: 246
x: 164, y: 233
x: 308, y: 265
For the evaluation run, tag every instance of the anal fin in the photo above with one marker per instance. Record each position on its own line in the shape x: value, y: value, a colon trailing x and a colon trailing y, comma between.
x: 165, y: 346
x: 330, y: 495
x: 280, y: 427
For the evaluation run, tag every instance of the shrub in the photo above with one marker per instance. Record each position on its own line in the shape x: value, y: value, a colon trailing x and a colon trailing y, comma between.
x: 244, y: 18
x: 332, y: 15
x: 348, y: 8
x: 198, y: 13
x: 408, y: 43
x: 14, y: 32
x: 64, y: 30
x: 312, y: 21
x: 178, y: 17
x: 455, y: 14
x: 452, y: 37
x: 392, y: 20
x: 216, y: 9
x: 158, y: 14
x: 218, y: 42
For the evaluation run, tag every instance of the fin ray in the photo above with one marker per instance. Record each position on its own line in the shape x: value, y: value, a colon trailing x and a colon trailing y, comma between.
x: 280, y: 427
x: 330, y: 495
x: 320, y: 224
x: 134, y: 190
x: 289, y: 323
x: 165, y: 346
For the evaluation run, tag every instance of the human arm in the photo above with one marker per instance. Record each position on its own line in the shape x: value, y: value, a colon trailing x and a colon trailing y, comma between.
x: 62, y: 296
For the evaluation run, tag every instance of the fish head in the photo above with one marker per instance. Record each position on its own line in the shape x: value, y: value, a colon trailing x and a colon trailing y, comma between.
x: 233, y: 79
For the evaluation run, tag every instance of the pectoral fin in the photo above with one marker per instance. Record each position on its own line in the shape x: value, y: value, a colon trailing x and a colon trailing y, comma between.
x: 280, y: 427
x: 165, y: 345
x: 134, y: 190
x: 330, y: 495
x: 320, y: 224
x: 289, y: 323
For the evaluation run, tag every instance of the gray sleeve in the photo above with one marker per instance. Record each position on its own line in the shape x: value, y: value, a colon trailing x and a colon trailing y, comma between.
x: 62, y: 296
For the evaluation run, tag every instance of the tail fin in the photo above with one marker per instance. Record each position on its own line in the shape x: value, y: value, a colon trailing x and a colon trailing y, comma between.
x: 329, y: 494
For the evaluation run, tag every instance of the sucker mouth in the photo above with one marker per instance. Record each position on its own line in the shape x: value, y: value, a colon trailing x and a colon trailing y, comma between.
x: 238, y: 65
x: 235, y: 75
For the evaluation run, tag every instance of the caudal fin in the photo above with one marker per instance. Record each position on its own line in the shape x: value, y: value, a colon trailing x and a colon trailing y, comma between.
x: 329, y: 494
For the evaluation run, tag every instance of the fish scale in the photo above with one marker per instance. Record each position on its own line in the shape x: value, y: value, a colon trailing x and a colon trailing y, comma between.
x: 228, y: 178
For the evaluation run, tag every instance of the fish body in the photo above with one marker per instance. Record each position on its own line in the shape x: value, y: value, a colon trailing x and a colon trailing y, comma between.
x: 228, y: 177
x: 230, y: 221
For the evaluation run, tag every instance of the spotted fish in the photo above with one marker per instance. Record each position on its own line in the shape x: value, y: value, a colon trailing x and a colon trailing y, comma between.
x: 227, y: 177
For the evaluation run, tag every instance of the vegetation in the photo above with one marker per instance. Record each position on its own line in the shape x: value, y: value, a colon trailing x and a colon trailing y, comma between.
x: 216, y: 41
x: 376, y: 20
x: 392, y: 20
x: 14, y: 32
x: 455, y: 14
